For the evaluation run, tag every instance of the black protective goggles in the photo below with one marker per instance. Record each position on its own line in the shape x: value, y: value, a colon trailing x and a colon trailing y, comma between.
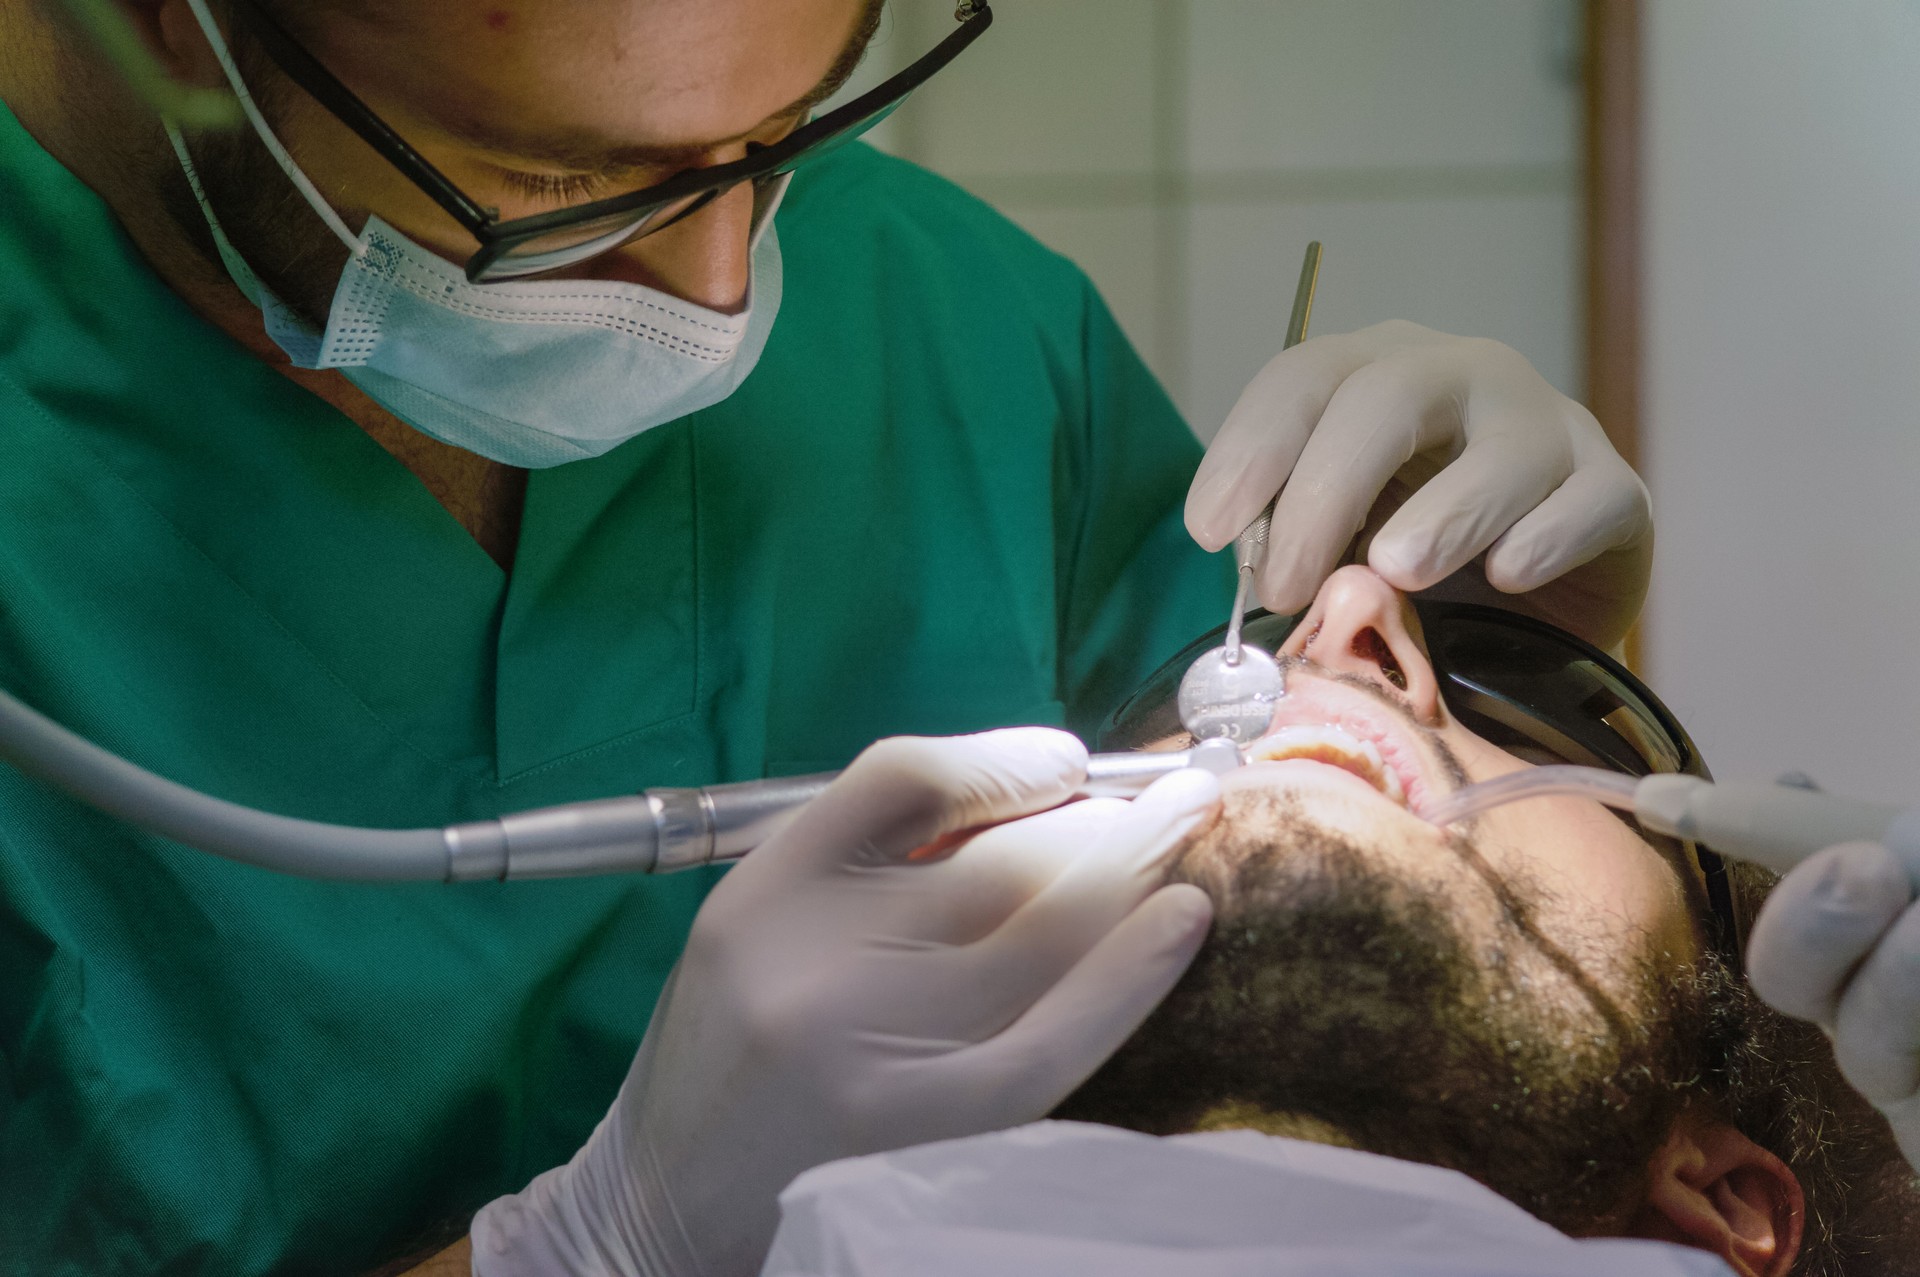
x: 1530, y: 688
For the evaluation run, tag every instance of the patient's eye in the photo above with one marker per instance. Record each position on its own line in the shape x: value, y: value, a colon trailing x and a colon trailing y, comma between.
x: 1369, y: 646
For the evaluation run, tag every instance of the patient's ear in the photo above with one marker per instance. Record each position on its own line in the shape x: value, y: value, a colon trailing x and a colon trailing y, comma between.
x: 1712, y: 1188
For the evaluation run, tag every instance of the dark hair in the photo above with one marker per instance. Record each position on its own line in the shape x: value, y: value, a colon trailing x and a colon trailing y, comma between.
x: 1330, y: 994
x: 1778, y: 1082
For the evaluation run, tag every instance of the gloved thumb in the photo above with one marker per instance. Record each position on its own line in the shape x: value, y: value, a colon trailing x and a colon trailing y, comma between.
x: 904, y: 792
x: 1819, y: 924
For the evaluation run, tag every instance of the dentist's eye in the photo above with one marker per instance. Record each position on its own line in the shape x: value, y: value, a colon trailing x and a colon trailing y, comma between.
x: 555, y: 188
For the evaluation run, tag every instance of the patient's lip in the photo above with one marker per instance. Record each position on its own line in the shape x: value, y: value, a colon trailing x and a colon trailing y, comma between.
x: 1313, y: 701
x: 1332, y: 746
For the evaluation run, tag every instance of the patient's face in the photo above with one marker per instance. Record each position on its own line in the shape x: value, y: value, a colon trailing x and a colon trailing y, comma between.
x: 1366, y: 742
x: 1500, y: 998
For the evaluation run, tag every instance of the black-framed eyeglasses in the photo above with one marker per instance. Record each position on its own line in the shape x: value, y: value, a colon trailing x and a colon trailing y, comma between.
x: 1530, y: 688
x: 522, y: 246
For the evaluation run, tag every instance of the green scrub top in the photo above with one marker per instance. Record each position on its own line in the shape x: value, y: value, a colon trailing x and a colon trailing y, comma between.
x: 947, y: 499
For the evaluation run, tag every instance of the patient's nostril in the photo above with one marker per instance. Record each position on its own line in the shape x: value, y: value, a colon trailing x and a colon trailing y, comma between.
x: 1369, y: 646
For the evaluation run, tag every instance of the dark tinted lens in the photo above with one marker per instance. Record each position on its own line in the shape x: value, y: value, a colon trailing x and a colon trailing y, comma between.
x: 1565, y: 698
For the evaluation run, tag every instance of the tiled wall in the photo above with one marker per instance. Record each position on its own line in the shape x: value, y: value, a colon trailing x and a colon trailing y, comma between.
x: 1185, y: 151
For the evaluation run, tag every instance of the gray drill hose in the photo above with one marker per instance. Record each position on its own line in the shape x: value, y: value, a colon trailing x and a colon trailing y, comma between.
x: 49, y: 752
x: 658, y: 831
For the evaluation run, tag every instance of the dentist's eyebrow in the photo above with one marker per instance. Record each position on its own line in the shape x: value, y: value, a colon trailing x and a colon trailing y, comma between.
x: 591, y: 153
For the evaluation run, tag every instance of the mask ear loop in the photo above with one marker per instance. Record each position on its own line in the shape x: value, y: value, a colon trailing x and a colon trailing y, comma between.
x: 766, y: 202
x: 211, y: 30
x: 237, y: 267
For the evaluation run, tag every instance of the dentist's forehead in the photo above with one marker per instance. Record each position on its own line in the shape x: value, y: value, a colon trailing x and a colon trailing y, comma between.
x: 668, y: 73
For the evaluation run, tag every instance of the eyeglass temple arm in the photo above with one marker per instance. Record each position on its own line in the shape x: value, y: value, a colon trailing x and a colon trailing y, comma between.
x: 764, y: 162
x: 331, y: 93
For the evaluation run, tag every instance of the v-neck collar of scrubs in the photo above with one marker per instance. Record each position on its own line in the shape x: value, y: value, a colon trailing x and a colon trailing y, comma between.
x: 332, y: 537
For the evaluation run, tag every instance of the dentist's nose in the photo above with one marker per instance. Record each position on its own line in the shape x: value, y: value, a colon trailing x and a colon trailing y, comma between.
x: 1359, y: 624
x: 702, y: 258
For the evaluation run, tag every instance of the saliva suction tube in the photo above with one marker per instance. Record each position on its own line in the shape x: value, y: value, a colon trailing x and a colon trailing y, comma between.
x: 1774, y: 826
x: 1612, y: 788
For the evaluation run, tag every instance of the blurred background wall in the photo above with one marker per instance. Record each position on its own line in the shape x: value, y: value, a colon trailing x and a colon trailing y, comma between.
x: 1185, y: 151
x: 1781, y: 418
x: 1755, y: 302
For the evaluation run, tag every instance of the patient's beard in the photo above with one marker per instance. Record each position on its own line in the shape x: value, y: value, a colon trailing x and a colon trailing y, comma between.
x: 1332, y: 992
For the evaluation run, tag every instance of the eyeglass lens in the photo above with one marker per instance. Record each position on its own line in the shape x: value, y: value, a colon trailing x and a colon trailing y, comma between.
x: 576, y: 242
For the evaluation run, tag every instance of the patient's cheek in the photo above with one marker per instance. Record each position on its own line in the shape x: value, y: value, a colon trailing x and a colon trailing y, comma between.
x: 1600, y: 882
x: 1481, y: 759
x: 1604, y: 884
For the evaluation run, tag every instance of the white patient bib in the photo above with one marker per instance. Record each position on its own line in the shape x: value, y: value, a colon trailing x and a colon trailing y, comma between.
x: 1060, y: 1198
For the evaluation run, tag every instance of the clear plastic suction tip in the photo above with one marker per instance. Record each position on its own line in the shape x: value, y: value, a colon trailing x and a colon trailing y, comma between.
x: 1223, y: 698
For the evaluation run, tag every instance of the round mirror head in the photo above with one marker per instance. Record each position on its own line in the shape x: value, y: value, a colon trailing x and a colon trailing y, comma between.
x: 1222, y: 699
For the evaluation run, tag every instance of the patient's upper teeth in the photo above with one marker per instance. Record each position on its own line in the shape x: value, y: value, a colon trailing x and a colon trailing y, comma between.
x: 1334, y: 745
x: 1390, y: 782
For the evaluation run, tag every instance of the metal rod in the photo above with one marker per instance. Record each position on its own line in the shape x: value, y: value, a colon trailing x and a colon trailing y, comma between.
x: 1248, y: 545
x: 1240, y: 592
x: 1303, y: 297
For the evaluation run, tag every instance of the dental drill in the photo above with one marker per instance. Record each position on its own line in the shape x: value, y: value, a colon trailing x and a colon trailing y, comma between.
x: 1774, y: 826
x: 655, y: 831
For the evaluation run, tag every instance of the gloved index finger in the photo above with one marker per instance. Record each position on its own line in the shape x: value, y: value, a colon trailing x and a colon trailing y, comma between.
x: 1052, y: 932
x: 905, y: 793
x: 1253, y: 453
x: 1497, y: 479
x: 1377, y: 421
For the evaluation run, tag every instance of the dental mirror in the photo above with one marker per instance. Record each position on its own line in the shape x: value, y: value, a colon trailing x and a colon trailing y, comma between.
x: 1230, y: 692
x: 1222, y: 698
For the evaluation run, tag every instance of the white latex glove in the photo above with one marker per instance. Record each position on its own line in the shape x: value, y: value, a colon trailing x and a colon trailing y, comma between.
x: 1503, y: 463
x: 1838, y: 943
x: 840, y: 995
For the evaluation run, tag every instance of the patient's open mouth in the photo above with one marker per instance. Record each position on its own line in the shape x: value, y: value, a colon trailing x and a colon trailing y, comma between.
x: 1336, y: 748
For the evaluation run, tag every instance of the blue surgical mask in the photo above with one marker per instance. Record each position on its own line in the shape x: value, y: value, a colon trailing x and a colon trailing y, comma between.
x: 531, y: 373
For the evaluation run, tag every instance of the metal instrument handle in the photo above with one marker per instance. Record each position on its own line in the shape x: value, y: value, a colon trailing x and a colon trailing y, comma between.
x: 1249, y: 544
x: 721, y: 823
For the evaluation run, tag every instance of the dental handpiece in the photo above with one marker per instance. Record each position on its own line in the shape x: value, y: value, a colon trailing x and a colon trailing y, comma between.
x: 664, y: 830
x: 657, y: 831
x: 1774, y: 826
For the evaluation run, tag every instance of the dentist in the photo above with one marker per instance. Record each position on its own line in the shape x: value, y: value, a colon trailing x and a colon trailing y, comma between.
x: 467, y: 433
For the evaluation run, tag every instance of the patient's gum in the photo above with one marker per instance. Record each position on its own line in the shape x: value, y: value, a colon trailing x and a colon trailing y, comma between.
x: 1334, y: 747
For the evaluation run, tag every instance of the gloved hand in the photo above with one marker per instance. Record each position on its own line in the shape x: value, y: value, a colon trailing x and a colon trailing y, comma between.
x: 1838, y: 943
x: 1523, y: 473
x: 843, y: 993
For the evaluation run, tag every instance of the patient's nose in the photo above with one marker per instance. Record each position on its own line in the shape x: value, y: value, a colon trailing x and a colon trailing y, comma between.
x: 1359, y: 624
